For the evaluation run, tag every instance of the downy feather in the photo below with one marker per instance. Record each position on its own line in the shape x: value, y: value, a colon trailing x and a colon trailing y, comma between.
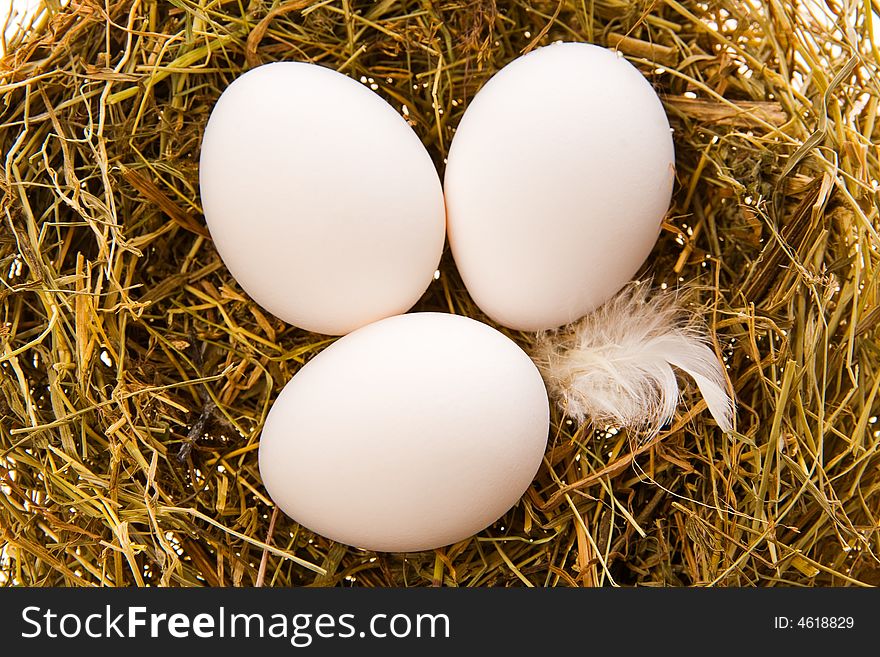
x: 617, y: 364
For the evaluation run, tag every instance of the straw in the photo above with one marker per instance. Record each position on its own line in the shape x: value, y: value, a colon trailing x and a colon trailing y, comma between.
x: 136, y: 375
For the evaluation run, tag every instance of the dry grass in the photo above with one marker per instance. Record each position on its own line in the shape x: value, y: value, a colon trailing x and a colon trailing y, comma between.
x: 136, y: 375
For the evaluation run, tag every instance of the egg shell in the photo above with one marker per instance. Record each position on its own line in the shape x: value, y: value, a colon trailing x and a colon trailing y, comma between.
x: 320, y: 198
x: 408, y: 434
x: 558, y: 178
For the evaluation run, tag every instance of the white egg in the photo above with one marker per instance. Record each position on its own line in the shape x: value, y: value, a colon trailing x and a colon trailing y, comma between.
x: 320, y: 198
x: 408, y: 434
x: 558, y: 179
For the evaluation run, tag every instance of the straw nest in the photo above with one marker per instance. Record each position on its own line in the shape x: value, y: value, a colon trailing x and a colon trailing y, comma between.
x: 136, y: 374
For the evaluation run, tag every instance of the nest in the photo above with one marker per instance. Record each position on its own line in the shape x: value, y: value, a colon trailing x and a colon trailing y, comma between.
x: 136, y: 374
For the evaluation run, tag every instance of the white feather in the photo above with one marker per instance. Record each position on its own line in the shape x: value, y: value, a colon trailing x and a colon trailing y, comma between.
x: 615, y: 366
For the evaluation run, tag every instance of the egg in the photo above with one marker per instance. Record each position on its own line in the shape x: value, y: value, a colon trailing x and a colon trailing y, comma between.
x: 558, y: 179
x: 408, y: 434
x: 320, y: 198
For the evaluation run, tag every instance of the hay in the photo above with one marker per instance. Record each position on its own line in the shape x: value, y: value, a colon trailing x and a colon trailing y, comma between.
x: 136, y: 375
